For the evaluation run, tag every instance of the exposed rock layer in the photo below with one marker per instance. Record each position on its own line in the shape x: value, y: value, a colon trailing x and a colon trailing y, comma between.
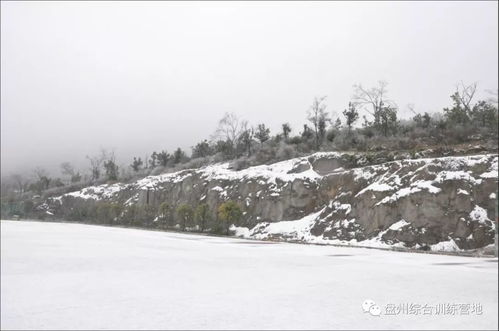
x: 445, y: 203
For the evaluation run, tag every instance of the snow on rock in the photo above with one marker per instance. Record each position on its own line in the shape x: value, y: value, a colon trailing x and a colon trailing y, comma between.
x: 445, y: 246
x: 377, y: 242
x: 415, y: 187
x: 457, y: 175
x: 345, y: 207
x: 480, y: 215
x: 280, y: 171
x: 399, y: 225
x: 462, y: 192
x: 381, y: 180
x: 153, y: 182
x: 376, y: 187
x: 493, y: 170
x: 297, y: 229
x: 268, y: 174
x: 105, y: 191
x: 426, y: 185
x: 240, y: 231
x: 132, y: 200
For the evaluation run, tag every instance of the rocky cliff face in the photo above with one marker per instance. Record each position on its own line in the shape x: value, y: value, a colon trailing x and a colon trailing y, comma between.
x: 443, y: 203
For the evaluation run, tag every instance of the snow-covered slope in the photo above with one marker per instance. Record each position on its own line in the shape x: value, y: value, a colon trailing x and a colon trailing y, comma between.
x: 442, y: 203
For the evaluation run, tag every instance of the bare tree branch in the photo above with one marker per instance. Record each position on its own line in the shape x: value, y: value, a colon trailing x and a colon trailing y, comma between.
x: 374, y: 97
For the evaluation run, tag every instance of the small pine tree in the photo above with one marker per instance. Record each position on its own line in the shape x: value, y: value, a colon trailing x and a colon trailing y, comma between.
x: 225, y: 148
x: 136, y: 164
x: 459, y: 113
x: 245, y: 141
x: 351, y: 115
x: 202, y: 149
x: 153, y: 162
x: 307, y: 133
x: 163, y: 158
x: 387, y: 120
x: 286, y: 130
x: 484, y: 115
x: 179, y: 156
x: 111, y: 170
x: 262, y: 133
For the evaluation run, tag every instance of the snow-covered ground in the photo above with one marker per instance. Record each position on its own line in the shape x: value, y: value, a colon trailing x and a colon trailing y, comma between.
x: 74, y: 276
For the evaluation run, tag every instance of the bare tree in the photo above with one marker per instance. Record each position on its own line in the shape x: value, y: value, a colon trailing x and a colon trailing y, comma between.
x: 42, y: 177
x: 228, y: 133
x: 40, y: 173
x: 20, y: 182
x: 374, y: 98
x: 230, y: 128
x: 464, y: 95
x: 463, y: 104
x: 96, y: 162
x: 375, y: 101
x: 318, y: 117
x: 67, y: 169
x: 412, y: 108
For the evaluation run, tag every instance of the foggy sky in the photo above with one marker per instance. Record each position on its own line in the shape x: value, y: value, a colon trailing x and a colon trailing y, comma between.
x: 139, y: 77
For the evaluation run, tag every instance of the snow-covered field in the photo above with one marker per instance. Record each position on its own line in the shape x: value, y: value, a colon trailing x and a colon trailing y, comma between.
x: 73, y: 276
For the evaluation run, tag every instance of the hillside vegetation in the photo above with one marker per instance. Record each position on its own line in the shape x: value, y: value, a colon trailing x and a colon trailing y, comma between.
x: 389, y: 182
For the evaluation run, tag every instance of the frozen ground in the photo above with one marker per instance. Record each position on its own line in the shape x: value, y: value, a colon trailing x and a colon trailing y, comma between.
x: 73, y: 276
